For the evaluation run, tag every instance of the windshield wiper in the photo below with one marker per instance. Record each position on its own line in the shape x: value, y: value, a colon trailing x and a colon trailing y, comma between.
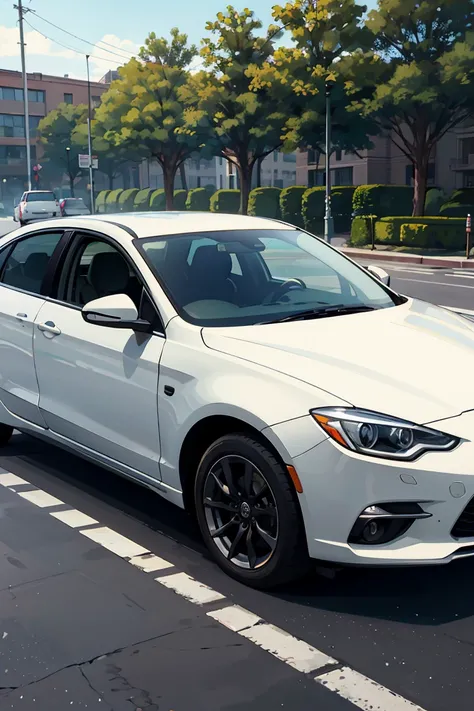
x: 334, y: 310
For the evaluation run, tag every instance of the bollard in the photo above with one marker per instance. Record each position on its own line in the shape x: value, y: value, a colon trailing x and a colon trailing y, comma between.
x: 468, y: 236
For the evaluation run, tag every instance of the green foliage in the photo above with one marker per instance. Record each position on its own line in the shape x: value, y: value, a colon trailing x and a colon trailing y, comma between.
x: 126, y: 199
x: 291, y: 204
x: 435, y: 198
x: 227, y: 201
x: 265, y: 202
x: 198, y: 200
x: 158, y: 200
x: 142, y: 200
x: 100, y: 201
x: 55, y: 134
x: 171, y: 54
x: 314, y: 205
x: 441, y: 232
x: 361, y: 230
x: 111, y: 200
x: 179, y: 201
x: 456, y: 209
x: 464, y: 196
x: 382, y: 200
x: 210, y: 188
x: 414, y: 235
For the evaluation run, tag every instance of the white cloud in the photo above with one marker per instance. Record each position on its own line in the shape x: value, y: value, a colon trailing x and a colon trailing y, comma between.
x: 104, y: 56
x: 36, y: 44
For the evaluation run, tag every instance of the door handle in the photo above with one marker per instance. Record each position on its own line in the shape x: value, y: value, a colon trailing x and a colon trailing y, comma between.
x: 49, y: 327
x: 21, y: 317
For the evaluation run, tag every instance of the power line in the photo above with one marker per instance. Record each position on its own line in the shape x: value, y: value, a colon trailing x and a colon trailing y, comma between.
x: 71, y: 49
x: 123, y: 55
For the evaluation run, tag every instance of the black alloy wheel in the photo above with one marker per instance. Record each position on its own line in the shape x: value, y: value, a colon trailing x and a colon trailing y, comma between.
x: 248, y: 513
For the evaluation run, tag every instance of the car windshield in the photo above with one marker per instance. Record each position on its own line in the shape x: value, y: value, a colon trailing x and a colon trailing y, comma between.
x: 40, y: 197
x: 247, y: 277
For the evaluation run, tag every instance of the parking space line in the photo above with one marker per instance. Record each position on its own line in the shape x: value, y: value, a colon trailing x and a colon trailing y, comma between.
x: 350, y: 685
x: 189, y: 588
x: 363, y: 692
x: 40, y: 498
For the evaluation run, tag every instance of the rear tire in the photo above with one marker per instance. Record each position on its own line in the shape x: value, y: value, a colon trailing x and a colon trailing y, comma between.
x: 248, y: 513
x: 5, y: 434
x: 22, y: 224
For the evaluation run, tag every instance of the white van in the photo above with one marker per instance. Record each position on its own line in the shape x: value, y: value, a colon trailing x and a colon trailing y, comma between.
x: 36, y: 205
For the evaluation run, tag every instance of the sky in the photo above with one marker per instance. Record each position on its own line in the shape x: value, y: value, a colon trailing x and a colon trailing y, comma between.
x: 113, y: 30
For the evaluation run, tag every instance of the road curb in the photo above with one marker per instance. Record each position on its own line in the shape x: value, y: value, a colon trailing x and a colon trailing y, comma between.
x: 383, y: 256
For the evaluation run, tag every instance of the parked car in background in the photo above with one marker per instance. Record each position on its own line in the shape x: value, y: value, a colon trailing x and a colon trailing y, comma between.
x: 72, y: 207
x: 36, y: 205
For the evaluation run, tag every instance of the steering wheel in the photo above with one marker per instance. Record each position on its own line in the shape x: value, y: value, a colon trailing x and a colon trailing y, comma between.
x: 282, y: 288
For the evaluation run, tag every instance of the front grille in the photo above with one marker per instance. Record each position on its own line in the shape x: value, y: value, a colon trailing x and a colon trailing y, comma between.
x: 464, y: 526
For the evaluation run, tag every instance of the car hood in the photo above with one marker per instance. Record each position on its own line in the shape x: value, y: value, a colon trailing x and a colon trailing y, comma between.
x: 413, y: 361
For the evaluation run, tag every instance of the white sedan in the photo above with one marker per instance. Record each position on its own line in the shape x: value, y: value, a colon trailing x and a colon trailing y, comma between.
x: 249, y: 372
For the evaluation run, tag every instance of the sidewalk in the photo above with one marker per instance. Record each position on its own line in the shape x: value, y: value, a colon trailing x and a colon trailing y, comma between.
x: 403, y: 258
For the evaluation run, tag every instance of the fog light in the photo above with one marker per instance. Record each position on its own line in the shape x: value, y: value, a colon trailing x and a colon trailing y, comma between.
x: 373, y: 531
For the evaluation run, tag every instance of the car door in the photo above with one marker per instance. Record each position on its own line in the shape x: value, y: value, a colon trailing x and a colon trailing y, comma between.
x: 23, y: 267
x: 98, y: 385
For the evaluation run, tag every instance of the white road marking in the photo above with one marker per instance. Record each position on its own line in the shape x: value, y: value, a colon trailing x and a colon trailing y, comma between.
x: 73, y: 518
x: 460, y: 276
x: 40, y: 498
x: 115, y: 542
x: 191, y: 589
x: 363, y: 692
x: 150, y: 563
x: 289, y: 649
x: 9, y: 479
x: 234, y: 617
x: 412, y: 271
x: 436, y: 283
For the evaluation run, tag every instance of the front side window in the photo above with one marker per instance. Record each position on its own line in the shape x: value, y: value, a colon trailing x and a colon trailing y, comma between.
x: 27, y: 263
x: 258, y: 276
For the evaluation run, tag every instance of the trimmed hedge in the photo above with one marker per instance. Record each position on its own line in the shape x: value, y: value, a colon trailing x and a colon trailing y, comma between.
x: 158, y: 200
x: 126, y: 199
x: 383, y: 200
x: 313, y: 208
x: 227, y: 201
x: 435, y: 198
x: 179, y: 200
x: 100, y: 201
x: 111, y: 200
x: 291, y: 204
x: 441, y: 232
x: 198, y: 200
x: 456, y: 209
x: 361, y: 230
x: 142, y: 200
x: 265, y: 202
x: 414, y: 235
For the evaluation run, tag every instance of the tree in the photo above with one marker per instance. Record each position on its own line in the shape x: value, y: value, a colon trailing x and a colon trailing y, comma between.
x: 172, y: 54
x: 425, y: 76
x: 143, y: 112
x: 325, y: 34
x: 240, y: 97
x: 55, y: 133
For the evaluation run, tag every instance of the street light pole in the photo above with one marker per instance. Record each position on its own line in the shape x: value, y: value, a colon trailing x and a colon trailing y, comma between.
x: 20, y: 9
x: 328, y: 218
x: 89, y: 136
x: 68, y: 162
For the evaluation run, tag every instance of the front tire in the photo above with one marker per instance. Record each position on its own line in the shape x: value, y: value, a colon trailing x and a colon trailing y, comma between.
x: 248, y: 513
x: 5, y: 434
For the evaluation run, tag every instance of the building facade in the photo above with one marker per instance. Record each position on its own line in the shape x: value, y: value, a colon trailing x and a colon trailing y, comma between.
x: 45, y: 93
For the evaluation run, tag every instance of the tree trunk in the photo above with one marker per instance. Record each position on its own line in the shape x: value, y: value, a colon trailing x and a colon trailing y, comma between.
x: 169, y: 174
x: 245, y: 175
x: 182, y: 173
x: 420, y: 163
x: 259, y: 172
x: 111, y: 180
x: 71, y: 185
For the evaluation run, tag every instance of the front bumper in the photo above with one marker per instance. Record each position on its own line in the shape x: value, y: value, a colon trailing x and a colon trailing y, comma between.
x: 338, y: 485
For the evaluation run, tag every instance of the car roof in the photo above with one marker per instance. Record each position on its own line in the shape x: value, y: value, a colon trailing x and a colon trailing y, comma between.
x: 157, y: 224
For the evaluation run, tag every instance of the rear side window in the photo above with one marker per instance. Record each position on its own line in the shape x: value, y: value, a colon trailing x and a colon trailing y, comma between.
x: 25, y: 267
x: 40, y: 197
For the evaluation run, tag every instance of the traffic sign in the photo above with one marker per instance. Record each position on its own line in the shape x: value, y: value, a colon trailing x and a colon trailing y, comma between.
x: 84, y: 161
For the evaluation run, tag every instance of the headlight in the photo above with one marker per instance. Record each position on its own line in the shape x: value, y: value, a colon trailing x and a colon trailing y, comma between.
x: 380, y: 435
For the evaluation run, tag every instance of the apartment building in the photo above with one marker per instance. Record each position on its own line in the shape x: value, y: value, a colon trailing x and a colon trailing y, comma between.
x: 45, y: 92
x: 451, y: 165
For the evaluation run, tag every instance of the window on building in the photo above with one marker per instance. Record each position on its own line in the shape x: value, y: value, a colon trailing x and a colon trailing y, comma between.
x: 343, y: 176
x: 275, y: 156
x: 410, y: 174
x: 36, y: 96
x: 68, y: 98
x: 95, y: 102
x: 338, y: 154
x: 289, y: 157
x: 12, y: 126
x: 467, y: 150
x: 316, y: 178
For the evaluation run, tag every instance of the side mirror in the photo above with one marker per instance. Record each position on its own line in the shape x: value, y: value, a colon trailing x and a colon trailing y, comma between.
x: 381, y: 274
x: 116, y: 311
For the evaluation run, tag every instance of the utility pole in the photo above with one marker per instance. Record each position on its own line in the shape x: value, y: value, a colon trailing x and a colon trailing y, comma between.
x: 328, y: 218
x: 21, y: 11
x: 89, y: 136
